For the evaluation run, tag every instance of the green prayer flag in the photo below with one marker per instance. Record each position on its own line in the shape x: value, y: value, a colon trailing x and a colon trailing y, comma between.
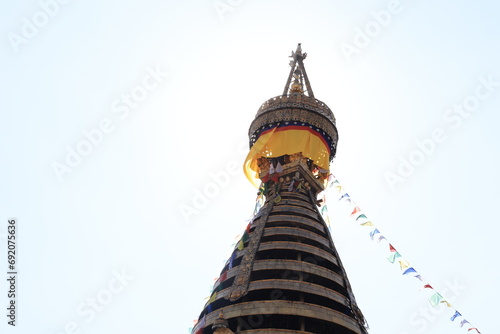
x: 392, y: 258
x: 263, y: 188
x: 435, y: 299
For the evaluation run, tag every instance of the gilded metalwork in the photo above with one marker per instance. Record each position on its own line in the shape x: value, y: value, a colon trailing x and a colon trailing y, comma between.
x: 298, y: 71
x: 295, y: 110
x: 242, y: 279
x: 297, y: 101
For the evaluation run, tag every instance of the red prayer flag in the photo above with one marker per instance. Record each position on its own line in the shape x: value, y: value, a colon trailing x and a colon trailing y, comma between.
x: 356, y: 210
x: 200, y: 325
x: 275, y: 178
x: 391, y: 248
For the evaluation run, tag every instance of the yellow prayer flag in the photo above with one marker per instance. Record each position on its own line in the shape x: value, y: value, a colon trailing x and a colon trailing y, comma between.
x: 446, y: 302
x: 403, y: 264
x: 327, y: 220
x: 213, y: 298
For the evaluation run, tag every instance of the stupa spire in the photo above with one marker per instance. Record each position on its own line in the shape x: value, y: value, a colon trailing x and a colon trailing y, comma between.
x: 299, y: 74
x: 285, y: 275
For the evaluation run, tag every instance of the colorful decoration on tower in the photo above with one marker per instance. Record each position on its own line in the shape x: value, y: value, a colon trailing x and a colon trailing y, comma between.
x: 218, y: 286
x: 287, y: 138
x: 199, y: 326
x: 435, y: 298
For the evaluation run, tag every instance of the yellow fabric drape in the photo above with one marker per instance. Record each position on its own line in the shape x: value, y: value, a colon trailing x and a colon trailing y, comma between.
x: 250, y: 167
x: 286, y: 140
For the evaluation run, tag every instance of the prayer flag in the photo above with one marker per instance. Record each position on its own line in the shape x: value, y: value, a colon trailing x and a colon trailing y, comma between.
x: 372, y: 233
x: 200, y: 325
x: 275, y: 178
x: 212, y: 298
x: 446, y: 302
x: 279, y: 168
x: 356, y: 210
x: 403, y: 264
x: 263, y: 188
x: 409, y: 270
x: 457, y: 314
x: 231, y: 260
x: 257, y: 207
x: 393, y: 257
x: 271, y: 168
x: 435, y: 299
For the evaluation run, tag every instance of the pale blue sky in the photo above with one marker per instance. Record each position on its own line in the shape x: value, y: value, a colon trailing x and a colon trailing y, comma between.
x: 118, y: 212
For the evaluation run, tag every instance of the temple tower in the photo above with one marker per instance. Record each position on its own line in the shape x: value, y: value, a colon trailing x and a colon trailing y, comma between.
x: 285, y: 275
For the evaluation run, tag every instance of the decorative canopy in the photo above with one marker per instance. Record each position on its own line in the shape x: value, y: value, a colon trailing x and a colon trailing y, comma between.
x: 294, y: 122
